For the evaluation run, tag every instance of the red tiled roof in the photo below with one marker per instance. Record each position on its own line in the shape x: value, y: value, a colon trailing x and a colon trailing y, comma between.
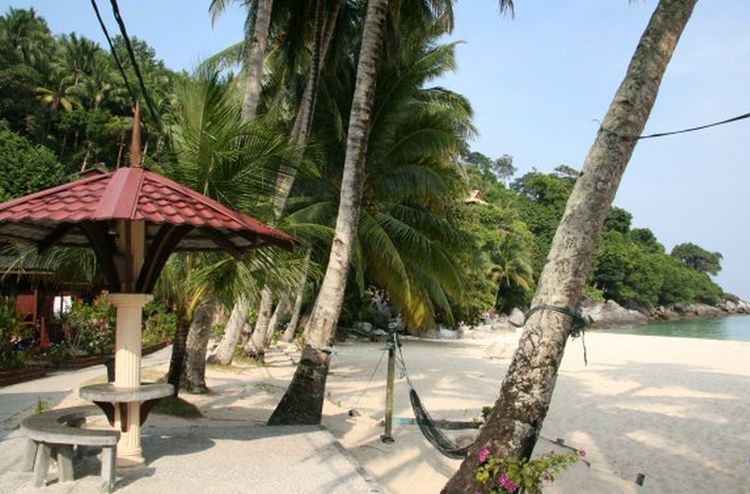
x: 133, y: 194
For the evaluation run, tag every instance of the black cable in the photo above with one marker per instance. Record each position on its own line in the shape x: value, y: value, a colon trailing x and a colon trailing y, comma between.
x: 114, y: 53
x: 136, y: 68
x: 681, y: 131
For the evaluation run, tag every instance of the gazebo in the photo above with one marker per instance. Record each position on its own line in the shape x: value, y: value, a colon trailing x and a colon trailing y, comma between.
x: 133, y: 219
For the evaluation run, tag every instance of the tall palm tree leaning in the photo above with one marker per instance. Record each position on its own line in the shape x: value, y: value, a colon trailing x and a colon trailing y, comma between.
x: 325, y: 25
x: 526, y: 393
x: 256, y: 38
x: 302, y: 402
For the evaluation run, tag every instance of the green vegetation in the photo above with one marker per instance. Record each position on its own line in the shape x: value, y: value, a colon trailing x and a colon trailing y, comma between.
x: 435, y: 258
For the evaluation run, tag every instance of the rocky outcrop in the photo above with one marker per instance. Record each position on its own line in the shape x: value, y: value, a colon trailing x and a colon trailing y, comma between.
x: 516, y: 317
x: 610, y: 313
x: 734, y: 306
x: 685, y: 311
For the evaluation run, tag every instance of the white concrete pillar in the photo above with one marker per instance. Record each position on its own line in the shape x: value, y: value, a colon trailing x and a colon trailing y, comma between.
x: 128, y: 373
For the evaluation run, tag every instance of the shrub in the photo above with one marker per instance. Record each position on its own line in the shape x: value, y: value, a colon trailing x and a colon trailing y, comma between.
x: 499, y: 475
x: 90, y: 328
x: 160, y: 323
x: 13, y: 337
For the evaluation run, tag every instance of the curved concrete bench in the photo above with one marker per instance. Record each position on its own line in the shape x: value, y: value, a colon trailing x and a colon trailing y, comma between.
x: 58, y: 431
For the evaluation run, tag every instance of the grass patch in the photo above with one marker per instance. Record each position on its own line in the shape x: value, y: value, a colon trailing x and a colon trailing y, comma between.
x: 177, y: 407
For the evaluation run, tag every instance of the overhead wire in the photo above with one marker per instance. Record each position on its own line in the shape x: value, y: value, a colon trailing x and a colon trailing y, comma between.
x: 136, y: 68
x: 114, y: 53
x: 681, y: 131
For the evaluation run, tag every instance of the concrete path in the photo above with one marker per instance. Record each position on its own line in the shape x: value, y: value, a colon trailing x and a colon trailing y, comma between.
x: 186, y: 460
x: 17, y: 400
x: 191, y: 459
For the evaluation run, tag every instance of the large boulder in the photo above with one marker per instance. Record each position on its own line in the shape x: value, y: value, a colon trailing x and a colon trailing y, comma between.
x: 703, y: 310
x: 610, y: 313
x: 516, y: 317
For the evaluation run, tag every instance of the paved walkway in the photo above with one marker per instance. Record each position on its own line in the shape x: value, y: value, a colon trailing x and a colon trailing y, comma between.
x: 257, y: 459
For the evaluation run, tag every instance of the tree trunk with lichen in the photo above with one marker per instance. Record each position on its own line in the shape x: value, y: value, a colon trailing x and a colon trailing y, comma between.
x: 194, y: 373
x: 525, y: 395
x: 254, y: 345
x: 302, y: 402
x: 298, y: 299
x: 224, y: 352
x: 256, y: 54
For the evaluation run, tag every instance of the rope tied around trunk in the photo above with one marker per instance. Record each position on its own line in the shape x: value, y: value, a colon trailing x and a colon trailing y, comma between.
x: 578, y: 327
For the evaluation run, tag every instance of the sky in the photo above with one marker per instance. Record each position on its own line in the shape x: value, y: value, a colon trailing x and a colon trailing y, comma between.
x: 539, y: 82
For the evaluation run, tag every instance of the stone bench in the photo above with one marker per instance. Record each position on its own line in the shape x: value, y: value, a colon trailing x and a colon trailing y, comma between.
x: 56, y: 432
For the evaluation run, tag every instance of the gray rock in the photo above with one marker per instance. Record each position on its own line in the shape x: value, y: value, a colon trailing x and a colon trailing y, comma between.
x: 363, y: 326
x: 703, y: 310
x: 516, y: 317
x: 611, y: 313
x: 447, y: 334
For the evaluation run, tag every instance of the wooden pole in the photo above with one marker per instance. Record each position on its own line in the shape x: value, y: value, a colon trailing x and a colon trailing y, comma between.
x: 387, y: 437
x: 135, y: 140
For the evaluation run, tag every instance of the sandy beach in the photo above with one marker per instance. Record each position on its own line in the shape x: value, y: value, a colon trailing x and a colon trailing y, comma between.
x: 673, y: 409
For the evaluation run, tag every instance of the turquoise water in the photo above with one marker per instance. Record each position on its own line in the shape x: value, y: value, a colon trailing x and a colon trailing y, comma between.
x: 718, y: 328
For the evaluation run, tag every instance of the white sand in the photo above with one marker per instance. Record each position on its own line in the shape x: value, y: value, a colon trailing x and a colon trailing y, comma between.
x: 674, y: 409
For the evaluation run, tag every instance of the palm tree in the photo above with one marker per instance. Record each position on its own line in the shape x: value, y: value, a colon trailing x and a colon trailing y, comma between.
x: 303, y: 400
x: 257, y: 25
x: 218, y: 153
x: 25, y: 38
x: 526, y: 392
x: 296, y: 18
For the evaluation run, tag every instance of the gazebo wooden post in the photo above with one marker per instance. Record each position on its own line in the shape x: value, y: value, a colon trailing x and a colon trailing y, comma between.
x: 131, y: 245
x: 128, y: 374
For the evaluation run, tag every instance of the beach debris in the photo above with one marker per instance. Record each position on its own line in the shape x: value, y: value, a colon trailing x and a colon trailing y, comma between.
x: 640, y: 478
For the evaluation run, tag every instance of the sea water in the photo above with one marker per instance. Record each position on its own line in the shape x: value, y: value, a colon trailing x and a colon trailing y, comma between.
x: 735, y: 327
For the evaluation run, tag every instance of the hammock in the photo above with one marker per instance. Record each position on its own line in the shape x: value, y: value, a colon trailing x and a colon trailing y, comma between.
x: 431, y: 432
x: 428, y: 427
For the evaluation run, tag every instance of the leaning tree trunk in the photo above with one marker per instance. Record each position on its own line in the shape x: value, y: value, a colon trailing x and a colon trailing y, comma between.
x: 298, y: 299
x: 299, y: 136
x: 260, y: 342
x: 254, y: 348
x: 194, y: 372
x: 325, y: 26
x: 256, y: 53
x: 526, y: 393
x: 224, y: 353
x: 303, y: 401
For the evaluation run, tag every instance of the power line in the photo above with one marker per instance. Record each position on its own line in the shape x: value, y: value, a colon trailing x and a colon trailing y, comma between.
x: 136, y: 68
x: 693, y: 129
x: 681, y: 131
x: 114, y: 53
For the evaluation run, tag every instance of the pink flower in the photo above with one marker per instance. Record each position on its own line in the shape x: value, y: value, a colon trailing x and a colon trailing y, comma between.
x: 482, y: 455
x: 507, y: 483
x: 581, y: 453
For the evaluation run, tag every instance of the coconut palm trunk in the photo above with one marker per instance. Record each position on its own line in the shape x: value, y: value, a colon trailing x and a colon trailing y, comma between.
x: 526, y: 392
x: 299, y: 136
x: 224, y: 352
x: 303, y: 401
x: 177, y: 359
x: 254, y: 345
x: 298, y: 299
x: 256, y: 53
x: 194, y: 373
